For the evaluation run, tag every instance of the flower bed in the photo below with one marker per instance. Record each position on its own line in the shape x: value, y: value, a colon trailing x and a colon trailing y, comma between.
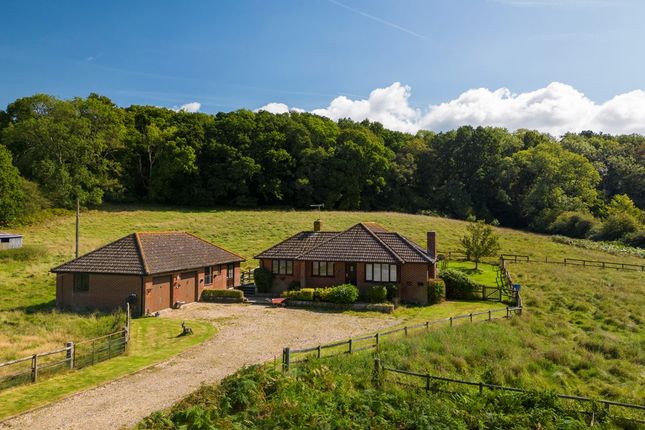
x: 374, y: 307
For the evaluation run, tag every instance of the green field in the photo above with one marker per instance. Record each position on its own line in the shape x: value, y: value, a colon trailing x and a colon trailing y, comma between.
x: 152, y: 340
x: 581, y: 332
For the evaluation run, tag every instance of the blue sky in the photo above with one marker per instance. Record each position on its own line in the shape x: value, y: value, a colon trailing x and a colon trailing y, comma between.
x: 247, y: 53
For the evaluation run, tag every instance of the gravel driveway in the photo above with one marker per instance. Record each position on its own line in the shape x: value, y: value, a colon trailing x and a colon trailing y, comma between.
x: 247, y: 334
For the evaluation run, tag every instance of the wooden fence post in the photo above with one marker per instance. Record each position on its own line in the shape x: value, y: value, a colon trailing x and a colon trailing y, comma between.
x: 34, y: 368
x: 127, y: 322
x: 349, y: 343
x: 489, y: 315
x: 406, y: 330
x: 481, y: 388
x: 377, y: 341
x: 427, y: 382
x: 427, y: 325
x: 450, y: 321
x: 508, y: 312
x: 319, y: 351
x: 285, y: 359
x: 471, y: 317
x: 69, y: 355
x: 376, y: 377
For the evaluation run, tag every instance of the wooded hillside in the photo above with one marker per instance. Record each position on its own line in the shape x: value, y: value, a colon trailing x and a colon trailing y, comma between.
x: 94, y: 150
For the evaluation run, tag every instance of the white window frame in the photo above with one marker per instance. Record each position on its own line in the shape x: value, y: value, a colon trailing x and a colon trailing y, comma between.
x: 381, y: 272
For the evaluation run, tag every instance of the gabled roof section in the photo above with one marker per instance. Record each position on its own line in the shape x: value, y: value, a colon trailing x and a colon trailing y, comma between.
x: 171, y: 251
x: 150, y: 253
x: 120, y: 257
x: 358, y: 243
x: 297, y: 244
x: 363, y: 242
x: 409, y: 251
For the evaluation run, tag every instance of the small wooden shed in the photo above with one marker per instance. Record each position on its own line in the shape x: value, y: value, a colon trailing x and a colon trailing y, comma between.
x: 10, y: 240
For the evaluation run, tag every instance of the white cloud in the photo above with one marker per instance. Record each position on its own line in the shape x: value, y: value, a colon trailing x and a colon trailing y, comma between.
x: 191, y: 107
x: 555, y: 109
x: 278, y: 108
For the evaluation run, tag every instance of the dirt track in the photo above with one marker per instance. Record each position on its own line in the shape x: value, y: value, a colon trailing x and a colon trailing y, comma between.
x: 247, y: 334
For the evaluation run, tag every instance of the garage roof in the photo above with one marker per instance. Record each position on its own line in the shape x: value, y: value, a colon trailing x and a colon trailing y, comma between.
x: 149, y: 253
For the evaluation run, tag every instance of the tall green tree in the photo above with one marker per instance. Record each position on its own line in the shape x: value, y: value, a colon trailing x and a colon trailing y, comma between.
x: 66, y: 146
x: 547, y: 180
x: 479, y: 241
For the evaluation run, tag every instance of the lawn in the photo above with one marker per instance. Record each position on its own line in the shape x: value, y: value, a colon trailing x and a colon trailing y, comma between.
x: 152, y: 340
x: 485, y: 274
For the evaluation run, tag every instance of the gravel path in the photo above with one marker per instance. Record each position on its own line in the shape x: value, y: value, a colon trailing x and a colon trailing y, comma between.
x: 247, y: 334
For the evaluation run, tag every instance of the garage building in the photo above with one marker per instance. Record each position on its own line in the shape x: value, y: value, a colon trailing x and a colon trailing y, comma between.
x: 152, y: 270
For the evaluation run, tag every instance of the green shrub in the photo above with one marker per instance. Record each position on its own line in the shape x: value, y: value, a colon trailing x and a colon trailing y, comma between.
x: 436, y: 291
x: 263, y: 279
x: 392, y: 292
x: 322, y: 294
x: 345, y: 293
x: 573, y: 224
x: 306, y: 294
x: 211, y: 295
x: 376, y: 293
x: 459, y: 286
x: 293, y: 285
x: 26, y: 253
x: 636, y: 239
x: 617, y: 226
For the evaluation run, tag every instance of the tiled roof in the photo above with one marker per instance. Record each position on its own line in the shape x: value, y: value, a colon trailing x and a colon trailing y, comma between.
x: 409, y: 251
x: 296, y: 245
x: 121, y: 256
x: 362, y: 242
x: 150, y: 253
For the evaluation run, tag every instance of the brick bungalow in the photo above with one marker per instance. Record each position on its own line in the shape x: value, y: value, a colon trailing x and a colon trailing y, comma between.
x: 158, y: 269
x: 365, y: 254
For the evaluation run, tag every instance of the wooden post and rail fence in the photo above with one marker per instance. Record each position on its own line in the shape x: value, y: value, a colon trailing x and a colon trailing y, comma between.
x: 568, y: 261
x: 564, y: 261
x: 429, y: 382
x: 74, y: 355
x: 372, y: 341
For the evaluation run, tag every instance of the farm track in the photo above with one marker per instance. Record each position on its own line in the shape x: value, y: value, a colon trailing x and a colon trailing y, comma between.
x: 247, y: 334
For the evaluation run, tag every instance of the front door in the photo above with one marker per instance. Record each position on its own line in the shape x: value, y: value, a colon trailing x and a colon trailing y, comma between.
x: 230, y: 275
x: 350, y: 273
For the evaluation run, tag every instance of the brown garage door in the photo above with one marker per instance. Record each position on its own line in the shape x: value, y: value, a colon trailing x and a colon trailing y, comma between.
x: 185, y: 291
x: 159, y: 297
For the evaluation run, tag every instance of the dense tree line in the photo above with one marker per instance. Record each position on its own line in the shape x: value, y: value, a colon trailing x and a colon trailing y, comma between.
x: 91, y: 149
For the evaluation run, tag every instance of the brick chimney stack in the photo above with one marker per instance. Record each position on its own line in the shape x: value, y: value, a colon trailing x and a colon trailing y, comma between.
x: 432, y: 244
x: 432, y: 251
x: 317, y: 225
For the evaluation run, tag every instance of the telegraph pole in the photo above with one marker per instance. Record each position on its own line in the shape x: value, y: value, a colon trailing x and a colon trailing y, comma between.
x: 78, y: 210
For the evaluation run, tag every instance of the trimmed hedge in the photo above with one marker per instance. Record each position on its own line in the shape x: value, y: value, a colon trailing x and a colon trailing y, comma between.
x: 376, y: 293
x: 345, y: 293
x: 263, y: 279
x: 212, y: 295
x: 460, y: 286
x: 306, y: 294
x: 436, y: 291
